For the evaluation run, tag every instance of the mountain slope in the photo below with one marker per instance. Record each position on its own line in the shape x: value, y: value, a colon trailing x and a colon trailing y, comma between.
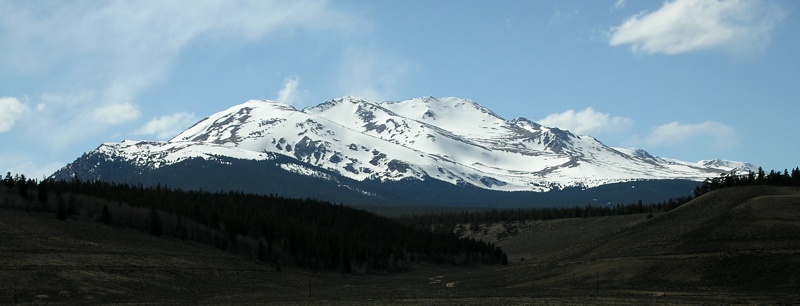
x: 356, y: 142
x: 737, y: 239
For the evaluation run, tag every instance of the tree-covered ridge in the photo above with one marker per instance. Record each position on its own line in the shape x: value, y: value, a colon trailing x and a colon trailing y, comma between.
x: 441, y: 222
x: 304, y: 232
x: 760, y: 177
x: 446, y: 222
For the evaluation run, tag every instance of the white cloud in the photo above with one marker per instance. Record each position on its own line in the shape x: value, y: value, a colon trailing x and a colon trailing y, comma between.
x: 11, y: 109
x: 289, y: 93
x: 166, y: 127
x: 105, y: 53
x: 370, y: 75
x: 115, y: 113
x: 710, y: 133
x: 680, y: 26
x: 587, y: 122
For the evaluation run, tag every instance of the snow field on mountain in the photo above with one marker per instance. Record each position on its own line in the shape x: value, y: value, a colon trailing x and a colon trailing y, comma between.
x: 448, y: 139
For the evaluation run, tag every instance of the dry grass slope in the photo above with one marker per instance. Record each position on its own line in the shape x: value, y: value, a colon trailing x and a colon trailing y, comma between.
x: 738, y: 245
x: 744, y: 239
x: 50, y: 261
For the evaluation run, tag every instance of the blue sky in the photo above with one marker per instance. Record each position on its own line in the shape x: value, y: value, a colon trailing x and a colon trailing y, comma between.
x: 685, y: 79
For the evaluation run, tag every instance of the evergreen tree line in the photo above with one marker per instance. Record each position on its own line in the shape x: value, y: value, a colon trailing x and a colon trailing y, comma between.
x: 732, y: 179
x: 443, y: 222
x: 304, y: 232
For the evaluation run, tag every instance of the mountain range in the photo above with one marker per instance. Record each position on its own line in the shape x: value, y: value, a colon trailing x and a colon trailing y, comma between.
x: 423, y: 151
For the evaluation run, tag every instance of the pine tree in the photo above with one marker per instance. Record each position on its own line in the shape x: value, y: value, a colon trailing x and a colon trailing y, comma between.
x: 773, y: 178
x: 42, y: 190
x: 346, y: 264
x: 9, y: 180
x: 22, y: 186
x: 262, y: 252
x: 71, y: 208
x: 61, y: 210
x: 181, y: 229
x: 105, y: 217
x: 155, y: 222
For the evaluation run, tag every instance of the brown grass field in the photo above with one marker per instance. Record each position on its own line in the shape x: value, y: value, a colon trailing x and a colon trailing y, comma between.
x: 732, y: 246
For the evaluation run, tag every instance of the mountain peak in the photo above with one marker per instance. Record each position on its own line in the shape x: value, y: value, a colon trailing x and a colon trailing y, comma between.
x: 351, y: 99
x: 261, y: 103
x: 728, y: 165
x: 448, y: 140
x: 444, y: 104
x: 223, y: 126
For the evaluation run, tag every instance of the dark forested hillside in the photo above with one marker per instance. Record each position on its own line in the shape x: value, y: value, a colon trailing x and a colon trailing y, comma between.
x: 267, y: 177
x: 447, y: 221
x: 760, y: 177
x: 303, y: 232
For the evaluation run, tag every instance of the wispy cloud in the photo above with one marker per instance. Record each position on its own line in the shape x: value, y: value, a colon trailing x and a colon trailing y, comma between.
x: 560, y: 15
x: 108, y: 52
x: 290, y: 92
x: 681, y: 26
x: 372, y: 75
x: 587, y: 122
x: 619, y: 4
x: 112, y: 114
x: 11, y: 109
x: 714, y: 135
x: 166, y: 127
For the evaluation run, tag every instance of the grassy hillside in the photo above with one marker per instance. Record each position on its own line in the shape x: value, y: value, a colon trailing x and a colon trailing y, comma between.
x: 729, y: 246
x: 304, y: 232
x: 739, y: 239
x: 49, y: 261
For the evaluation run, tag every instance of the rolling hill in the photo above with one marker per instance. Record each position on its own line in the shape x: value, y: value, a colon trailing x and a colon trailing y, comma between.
x: 730, y: 246
x: 738, y: 239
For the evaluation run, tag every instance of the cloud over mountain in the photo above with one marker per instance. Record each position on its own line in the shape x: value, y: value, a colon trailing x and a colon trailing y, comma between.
x: 165, y: 127
x: 587, y: 121
x: 714, y: 134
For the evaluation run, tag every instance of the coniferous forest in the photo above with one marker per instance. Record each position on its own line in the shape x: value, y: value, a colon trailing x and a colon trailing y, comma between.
x: 446, y: 222
x: 760, y: 177
x: 310, y: 233
x: 272, y: 229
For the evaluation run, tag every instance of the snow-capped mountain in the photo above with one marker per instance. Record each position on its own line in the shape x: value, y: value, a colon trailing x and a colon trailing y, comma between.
x: 450, y: 140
